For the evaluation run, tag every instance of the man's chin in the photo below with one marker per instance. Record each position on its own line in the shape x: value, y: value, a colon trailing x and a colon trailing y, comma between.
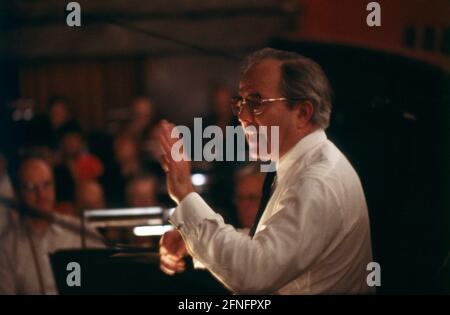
x: 256, y: 156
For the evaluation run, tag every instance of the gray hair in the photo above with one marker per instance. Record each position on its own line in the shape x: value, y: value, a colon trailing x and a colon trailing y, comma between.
x: 301, y: 79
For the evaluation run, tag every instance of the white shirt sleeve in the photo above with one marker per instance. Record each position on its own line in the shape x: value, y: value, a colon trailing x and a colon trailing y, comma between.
x: 307, y: 219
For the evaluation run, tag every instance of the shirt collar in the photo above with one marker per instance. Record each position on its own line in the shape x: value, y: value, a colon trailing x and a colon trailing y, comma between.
x: 298, y: 150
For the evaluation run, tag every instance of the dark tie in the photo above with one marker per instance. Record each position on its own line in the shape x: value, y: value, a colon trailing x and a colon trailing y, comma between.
x: 268, y: 188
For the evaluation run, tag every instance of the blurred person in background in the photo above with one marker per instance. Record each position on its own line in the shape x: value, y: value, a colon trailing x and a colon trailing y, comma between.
x: 6, y: 188
x: 24, y: 263
x: 74, y: 154
x: 220, y: 193
x: 142, y: 191
x: 248, y: 184
x: 127, y: 155
x: 74, y: 158
x: 89, y: 195
x: 152, y: 152
x: 64, y: 183
x: 220, y: 113
x: 6, y: 191
x: 142, y: 118
x: 127, y: 163
x: 60, y: 114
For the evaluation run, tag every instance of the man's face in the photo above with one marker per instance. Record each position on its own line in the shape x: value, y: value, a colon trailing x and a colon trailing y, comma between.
x: 37, y: 190
x: 142, y: 193
x: 89, y: 195
x: 263, y: 80
x: 142, y: 111
x: 125, y: 149
x: 59, y: 114
x: 72, y: 144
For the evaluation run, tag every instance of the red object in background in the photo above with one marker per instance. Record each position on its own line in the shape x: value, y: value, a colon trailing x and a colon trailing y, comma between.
x: 66, y: 208
x: 87, y: 167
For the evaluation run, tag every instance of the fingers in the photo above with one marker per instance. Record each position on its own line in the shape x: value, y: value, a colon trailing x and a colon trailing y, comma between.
x: 166, y: 143
x: 172, y: 243
x: 169, y: 271
x: 171, y: 264
x: 166, y: 162
x: 166, y: 132
x: 172, y: 252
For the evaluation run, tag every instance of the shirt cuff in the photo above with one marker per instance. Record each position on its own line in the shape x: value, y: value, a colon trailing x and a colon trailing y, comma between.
x: 191, y: 211
x: 197, y: 264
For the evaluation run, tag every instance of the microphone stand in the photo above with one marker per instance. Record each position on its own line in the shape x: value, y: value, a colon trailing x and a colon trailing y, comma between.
x: 25, y: 211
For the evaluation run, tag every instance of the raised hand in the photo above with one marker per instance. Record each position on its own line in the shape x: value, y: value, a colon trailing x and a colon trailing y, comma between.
x: 178, y: 173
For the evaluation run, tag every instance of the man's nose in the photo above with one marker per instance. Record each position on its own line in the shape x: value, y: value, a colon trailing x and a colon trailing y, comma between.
x: 245, y: 116
x: 40, y: 192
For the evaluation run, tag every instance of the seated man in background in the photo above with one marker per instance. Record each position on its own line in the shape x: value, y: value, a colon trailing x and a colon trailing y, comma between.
x: 248, y: 183
x: 6, y: 191
x: 24, y: 263
x: 89, y: 195
x: 142, y: 191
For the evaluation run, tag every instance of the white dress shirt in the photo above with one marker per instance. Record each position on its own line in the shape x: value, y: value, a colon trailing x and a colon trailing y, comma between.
x: 6, y: 191
x: 18, y: 269
x: 313, y: 237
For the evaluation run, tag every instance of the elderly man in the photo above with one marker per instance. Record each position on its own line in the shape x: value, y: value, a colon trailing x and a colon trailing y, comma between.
x: 312, y: 233
x: 24, y: 263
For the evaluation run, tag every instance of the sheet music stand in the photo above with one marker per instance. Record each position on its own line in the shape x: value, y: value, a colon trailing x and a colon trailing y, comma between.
x: 106, y: 271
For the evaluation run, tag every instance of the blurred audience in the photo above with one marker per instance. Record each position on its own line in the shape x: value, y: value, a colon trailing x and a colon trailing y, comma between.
x: 99, y: 170
x: 71, y: 162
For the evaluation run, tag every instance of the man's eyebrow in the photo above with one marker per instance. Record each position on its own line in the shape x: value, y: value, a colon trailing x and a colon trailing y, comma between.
x: 254, y: 94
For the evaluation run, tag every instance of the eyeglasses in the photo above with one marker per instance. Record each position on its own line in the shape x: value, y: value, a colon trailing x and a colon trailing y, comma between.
x: 254, y: 104
x: 33, y: 187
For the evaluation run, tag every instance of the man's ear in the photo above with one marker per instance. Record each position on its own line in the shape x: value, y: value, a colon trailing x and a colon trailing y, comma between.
x: 304, y: 111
